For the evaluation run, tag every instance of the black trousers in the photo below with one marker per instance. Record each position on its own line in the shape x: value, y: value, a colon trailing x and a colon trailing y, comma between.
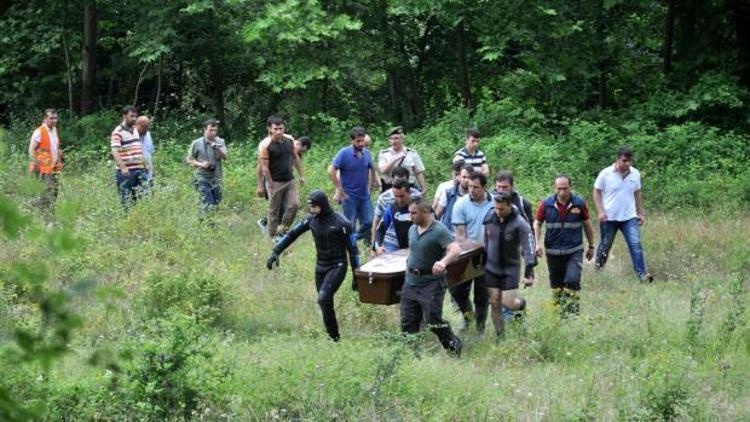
x: 565, y: 270
x: 426, y: 301
x: 462, y: 292
x: 328, y: 279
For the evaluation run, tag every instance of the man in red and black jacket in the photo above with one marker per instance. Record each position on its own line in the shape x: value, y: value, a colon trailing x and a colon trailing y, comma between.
x: 565, y: 215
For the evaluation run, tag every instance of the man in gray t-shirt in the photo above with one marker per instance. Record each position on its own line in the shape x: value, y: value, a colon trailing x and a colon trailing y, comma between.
x: 206, y: 155
x: 431, y: 250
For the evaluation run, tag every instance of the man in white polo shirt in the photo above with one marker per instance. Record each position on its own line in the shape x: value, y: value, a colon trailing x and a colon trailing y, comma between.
x: 617, y: 195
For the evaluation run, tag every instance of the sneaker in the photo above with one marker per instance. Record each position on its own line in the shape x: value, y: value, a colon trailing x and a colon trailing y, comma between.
x: 263, y: 224
x: 646, y: 278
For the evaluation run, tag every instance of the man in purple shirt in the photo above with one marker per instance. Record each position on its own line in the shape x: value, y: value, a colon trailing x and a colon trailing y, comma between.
x: 350, y: 172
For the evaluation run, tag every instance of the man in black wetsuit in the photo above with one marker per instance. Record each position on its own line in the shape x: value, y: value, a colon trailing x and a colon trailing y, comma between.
x: 334, y: 237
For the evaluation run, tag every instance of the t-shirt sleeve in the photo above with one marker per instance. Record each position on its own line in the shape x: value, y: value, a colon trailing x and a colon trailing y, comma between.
x: 36, y: 137
x: 443, y: 200
x: 600, y: 181
x: 338, y: 160
x: 638, y: 181
x: 458, y: 217
x: 585, y: 211
x: 444, y: 238
x: 540, y: 212
x: 115, y: 140
x: 418, y: 166
x: 380, y: 207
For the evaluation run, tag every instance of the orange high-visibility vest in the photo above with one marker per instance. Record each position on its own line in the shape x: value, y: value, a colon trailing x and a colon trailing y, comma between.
x: 43, y: 155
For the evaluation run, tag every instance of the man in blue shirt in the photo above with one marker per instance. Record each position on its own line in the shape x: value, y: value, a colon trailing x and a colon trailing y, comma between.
x: 468, y: 217
x: 393, y: 232
x: 350, y: 172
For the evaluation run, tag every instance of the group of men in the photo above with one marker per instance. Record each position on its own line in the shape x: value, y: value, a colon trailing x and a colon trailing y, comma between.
x: 132, y: 150
x: 463, y: 209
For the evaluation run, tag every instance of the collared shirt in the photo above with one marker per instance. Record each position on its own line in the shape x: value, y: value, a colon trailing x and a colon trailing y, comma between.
x: 618, y: 192
x: 354, y: 171
x: 562, y: 209
x: 412, y: 162
x: 148, y: 148
x: 36, y: 138
x: 442, y: 189
x: 425, y: 249
x: 471, y: 214
x: 201, y: 151
x: 127, y: 141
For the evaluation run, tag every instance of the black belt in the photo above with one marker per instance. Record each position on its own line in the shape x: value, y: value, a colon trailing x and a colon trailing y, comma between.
x: 417, y: 272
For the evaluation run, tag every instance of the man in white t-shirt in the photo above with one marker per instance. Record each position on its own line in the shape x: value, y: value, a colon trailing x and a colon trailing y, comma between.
x: 617, y: 195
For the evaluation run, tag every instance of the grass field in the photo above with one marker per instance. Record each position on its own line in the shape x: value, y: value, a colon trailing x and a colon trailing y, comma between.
x: 180, y: 319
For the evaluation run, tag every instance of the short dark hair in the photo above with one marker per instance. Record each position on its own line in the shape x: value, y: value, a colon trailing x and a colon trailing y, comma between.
x: 210, y: 122
x: 356, y: 132
x: 402, y: 184
x: 305, y: 141
x: 400, y: 172
x: 563, y: 176
x: 274, y: 120
x: 504, y: 176
x: 48, y: 112
x: 421, y: 204
x: 469, y: 168
x: 473, y: 132
x: 625, y: 152
x: 503, y: 197
x: 458, y: 165
x: 479, y: 176
x: 129, y: 109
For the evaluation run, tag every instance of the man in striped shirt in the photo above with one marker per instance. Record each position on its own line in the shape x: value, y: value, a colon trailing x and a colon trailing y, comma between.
x: 472, y: 155
x: 131, y: 175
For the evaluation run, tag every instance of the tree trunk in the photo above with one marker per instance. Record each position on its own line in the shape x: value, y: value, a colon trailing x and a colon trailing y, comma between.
x: 217, y: 80
x: 68, y: 75
x: 138, y: 84
x: 602, y: 62
x: 668, y: 37
x: 463, y: 68
x: 158, y: 90
x: 89, y: 56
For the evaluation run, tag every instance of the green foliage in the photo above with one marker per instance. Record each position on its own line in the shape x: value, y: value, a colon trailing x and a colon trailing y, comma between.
x: 200, y: 296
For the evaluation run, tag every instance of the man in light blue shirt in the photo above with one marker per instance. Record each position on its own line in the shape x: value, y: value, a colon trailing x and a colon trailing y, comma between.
x: 468, y: 220
x: 143, y: 124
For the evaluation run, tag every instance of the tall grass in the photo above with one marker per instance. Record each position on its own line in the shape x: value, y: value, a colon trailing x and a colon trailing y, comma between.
x: 184, y: 321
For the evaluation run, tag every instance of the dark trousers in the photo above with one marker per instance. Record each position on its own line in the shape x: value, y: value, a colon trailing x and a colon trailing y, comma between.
x: 47, y: 199
x: 210, y: 196
x: 131, y: 186
x: 462, y: 292
x: 328, y: 279
x: 565, y: 270
x: 426, y: 301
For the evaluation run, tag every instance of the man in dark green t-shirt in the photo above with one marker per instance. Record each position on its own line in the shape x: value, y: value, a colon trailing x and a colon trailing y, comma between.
x: 431, y: 249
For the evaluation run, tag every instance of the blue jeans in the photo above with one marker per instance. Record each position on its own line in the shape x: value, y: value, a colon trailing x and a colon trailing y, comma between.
x: 631, y: 231
x: 210, y: 194
x: 131, y: 186
x: 359, y: 209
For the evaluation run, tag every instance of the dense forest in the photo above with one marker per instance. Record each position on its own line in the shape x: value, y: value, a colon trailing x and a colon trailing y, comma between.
x: 406, y: 61
x: 153, y: 315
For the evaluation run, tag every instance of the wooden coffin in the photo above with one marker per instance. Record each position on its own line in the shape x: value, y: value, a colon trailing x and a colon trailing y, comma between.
x: 468, y: 266
x: 379, y: 280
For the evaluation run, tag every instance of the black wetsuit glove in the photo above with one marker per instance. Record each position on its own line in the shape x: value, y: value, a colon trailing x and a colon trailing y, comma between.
x: 273, y: 258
